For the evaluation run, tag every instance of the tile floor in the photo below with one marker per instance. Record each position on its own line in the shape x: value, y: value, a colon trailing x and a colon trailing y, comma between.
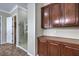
x: 11, y: 50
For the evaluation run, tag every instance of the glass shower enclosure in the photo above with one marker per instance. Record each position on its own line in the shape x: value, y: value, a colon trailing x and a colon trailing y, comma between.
x: 23, y: 32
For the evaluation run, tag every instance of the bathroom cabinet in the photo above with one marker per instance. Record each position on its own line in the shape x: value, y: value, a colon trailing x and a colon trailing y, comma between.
x: 60, y: 15
x: 56, y: 46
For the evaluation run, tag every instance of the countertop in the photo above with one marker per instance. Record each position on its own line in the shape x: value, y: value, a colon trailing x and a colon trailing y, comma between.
x: 61, y: 39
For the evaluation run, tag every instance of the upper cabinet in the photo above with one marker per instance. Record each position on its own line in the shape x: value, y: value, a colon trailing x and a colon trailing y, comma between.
x: 55, y: 15
x: 70, y: 14
x: 45, y: 17
x: 60, y: 15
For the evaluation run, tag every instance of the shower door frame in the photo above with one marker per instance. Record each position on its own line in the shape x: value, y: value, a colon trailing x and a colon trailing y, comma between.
x: 14, y: 33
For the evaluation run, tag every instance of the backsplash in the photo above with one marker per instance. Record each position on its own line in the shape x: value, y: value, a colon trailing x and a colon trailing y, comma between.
x: 64, y: 32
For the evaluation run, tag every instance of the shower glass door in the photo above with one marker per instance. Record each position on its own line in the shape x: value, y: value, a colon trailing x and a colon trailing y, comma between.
x: 23, y: 32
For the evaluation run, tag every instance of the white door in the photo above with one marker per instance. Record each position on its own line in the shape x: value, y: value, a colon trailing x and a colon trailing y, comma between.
x: 9, y: 29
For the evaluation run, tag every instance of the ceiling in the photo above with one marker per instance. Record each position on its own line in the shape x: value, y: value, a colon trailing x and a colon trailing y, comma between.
x: 9, y: 6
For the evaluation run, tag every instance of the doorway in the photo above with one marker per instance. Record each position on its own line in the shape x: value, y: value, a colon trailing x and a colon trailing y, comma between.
x: 9, y: 30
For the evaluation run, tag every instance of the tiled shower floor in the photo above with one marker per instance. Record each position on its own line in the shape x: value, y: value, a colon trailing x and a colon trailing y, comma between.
x: 11, y: 50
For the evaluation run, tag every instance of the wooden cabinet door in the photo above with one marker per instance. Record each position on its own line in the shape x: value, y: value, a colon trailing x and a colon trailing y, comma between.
x: 42, y: 47
x: 55, y: 14
x: 45, y: 17
x: 70, y: 51
x: 53, y: 48
x: 77, y: 14
x: 69, y: 14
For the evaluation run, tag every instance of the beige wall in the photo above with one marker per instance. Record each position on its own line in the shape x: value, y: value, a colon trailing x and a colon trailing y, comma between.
x: 31, y: 29
x: 4, y: 16
x: 39, y: 30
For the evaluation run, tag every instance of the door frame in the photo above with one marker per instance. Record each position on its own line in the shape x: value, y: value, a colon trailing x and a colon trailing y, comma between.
x: 12, y: 29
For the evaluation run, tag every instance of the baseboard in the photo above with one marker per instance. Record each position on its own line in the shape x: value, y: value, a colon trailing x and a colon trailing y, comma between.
x: 25, y: 50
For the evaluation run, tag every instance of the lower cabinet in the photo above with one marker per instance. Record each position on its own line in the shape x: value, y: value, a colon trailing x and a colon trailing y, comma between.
x: 42, y: 47
x: 48, y: 47
x: 70, y: 51
x: 53, y: 48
